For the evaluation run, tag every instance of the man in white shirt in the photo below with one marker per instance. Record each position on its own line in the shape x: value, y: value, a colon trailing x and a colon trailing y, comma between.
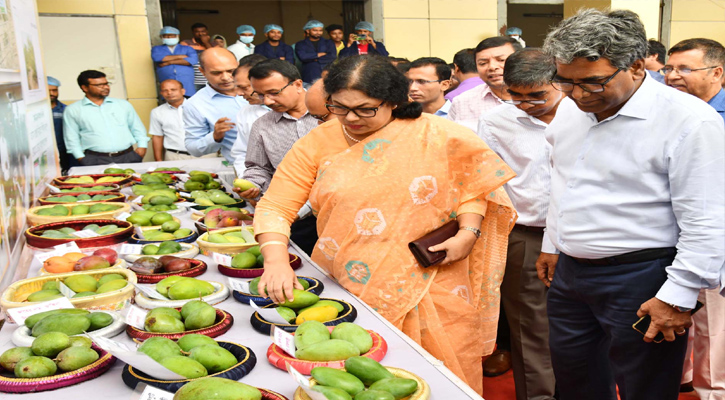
x: 429, y: 78
x: 635, y: 220
x: 243, y: 47
x: 515, y: 131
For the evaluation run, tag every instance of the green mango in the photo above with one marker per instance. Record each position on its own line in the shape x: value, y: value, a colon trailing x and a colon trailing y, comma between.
x: 192, y: 185
x: 244, y: 261
x: 170, y: 245
x: 213, y: 357
x: 162, y: 236
x: 398, y: 387
x: 323, y: 303
x: 217, y: 238
x: 329, y: 350
x: 163, y: 324
x: 191, y: 306
x: 374, y: 395
x: 97, y: 197
x: 221, y: 198
x: 332, y: 393
x: 150, y: 250
x: 44, y: 295
x: 217, y: 389
x: 309, y: 333
x: 50, y: 285
x: 54, y: 234
x: 99, y: 320
x: 337, y: 378
x: 367, y: 369
x: 253, y: 284
x: 35, y: 367
x: 190, y: 289
x: 182, y: 233
x: 113, y: 171
x: 50, y: 344
x: 67, y: 230
x: 170, y: 226
x: 204, y: 202
x: 184, y: 366
x: 200, y: 178
x: 109, y: 277
x: 13, y: 356
x: 158, y: 348
x: 80, y: 341
x: 260, y: 261
x: 139, y: 220
x: 75, y: 357
x: 111, y: 286
x: 193, y: 340
x: 69, y: 324
x: 160, y: 200
x: 163, y: 285
x: 202, y: 317
x: 107, y: 229
x: 287, y: 313
x: 33, y: 319
x: 102, y: 207
x: 93, y: 227
x: 212, y: 185
x: 302, y: 299
x: 81, y: 283
x: 80, y: 210
x: 172, y: 312
x: 198, y: 194
x: 354, y: 334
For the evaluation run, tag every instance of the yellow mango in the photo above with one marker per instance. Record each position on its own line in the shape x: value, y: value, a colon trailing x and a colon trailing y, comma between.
x: 321, y: 314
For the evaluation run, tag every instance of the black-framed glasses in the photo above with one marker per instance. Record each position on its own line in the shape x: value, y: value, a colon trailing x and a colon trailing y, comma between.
x: 320, y: 118
x: 100, y: 84
x: 587, y: 87
x: 362, y: 112
x: 532, y: 102
x: 684, y: 70
x: 422, y: 82
x: 261, y: 96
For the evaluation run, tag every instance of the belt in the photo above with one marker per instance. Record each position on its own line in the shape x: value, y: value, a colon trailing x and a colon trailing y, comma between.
x: 111, y: 154
x: 631, y: 258
x: 524, y: 228
x: 178, y: 151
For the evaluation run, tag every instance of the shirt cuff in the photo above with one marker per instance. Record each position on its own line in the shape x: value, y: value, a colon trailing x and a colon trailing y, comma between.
x: 142, y: 143
x: 78, y: 155
x: 682, y: 296
x: 547, y: 246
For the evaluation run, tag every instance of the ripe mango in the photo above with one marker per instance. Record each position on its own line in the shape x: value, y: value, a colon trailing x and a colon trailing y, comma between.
x: 158, y: 348
x: 163, y: 324
x: 398, y: 387
x: 44, y: 295
x: 91, y: 262
x: 337, y: 378
x: 192, y: 340
x: 321, y: 303
x: 75, y: 357
x: 332, y: 393
x: 217, y: 238
x: 33, y: 319
x: 35, y: 367
x: 109, y: 277
x: 367, y: 369
x: 213, y: 357
x: 302, y: 299
x: 309, y: 333
x: 190, y: 289
x: 13, y: 356
x: 354, y: 334
x: 111, y: 286
x: 322, y: 314
x: 329, y: 350
x: 65, y: 323
x: 81, y: 283
x: 374, y: 395
x: 50, y: 344
x: 99, y: 320
x: 184, y: 366
x: 218, y: 389
x: 200, y: 318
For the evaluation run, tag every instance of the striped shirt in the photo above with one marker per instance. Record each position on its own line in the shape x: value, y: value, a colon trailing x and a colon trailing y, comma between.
x: 468, y: 107
x: 271, y: 137
x: 520, y: 140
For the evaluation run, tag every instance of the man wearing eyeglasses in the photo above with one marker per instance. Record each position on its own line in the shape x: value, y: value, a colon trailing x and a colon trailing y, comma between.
x: 429, y: 78
x: 515, y: 131
x: 695, y: 66
x: 278, y: 85
x: 102, y: 130
x: 635, y: 220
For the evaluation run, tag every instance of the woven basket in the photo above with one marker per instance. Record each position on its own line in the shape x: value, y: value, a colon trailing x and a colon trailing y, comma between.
x: 35, y: 219
x: 294, y: 261
x: 16, y: 293
x: 261, y: 325
x: 61, y: 180
x: 222, y: 324
x: 50, y: 200
x: 229, y: 249
x: 198, y: 267
x: 114, y: 188
x: 422, y: 393
x: 220, y: 294
x: 35, y: 240
x: 187, y: 251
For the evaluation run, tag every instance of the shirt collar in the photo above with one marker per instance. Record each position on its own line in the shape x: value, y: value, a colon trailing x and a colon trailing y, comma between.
x: 444, y: 109
x: 718, y: 102
x: 175, y: 108
x: 487, y: 91
x: 213, y: 92
x: 86, y: 101
x: 279, y: 115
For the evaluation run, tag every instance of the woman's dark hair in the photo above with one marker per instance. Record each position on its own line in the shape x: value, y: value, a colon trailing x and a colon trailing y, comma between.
x: 377, y: 78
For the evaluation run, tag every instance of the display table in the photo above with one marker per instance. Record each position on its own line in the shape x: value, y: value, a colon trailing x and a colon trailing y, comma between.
x: 402, y: 351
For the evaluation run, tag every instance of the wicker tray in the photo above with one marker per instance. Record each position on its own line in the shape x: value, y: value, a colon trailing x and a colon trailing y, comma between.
x: 261, y: 325
x: 187, y: 251
x: 294, y: 262
x: 229, y: 249
x: 35, y: 219
x: 221, y: 294
x: 136, y: 240
x: 23, y: 338
x: 423, y: 392
x: 198, y: 267
x: 316, y: 287
x: 34, y: 240
x: 222, y: 324
x: 61, y: 180
x: 49, y: 200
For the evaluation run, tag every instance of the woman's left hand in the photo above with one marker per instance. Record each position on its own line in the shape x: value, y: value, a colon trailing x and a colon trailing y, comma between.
x: 457, y: 248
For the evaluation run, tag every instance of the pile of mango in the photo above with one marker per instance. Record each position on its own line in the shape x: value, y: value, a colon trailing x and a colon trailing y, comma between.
x: 212, y: 197
x: 84, y: 179
x: 219, y: 218
x: 306, y: 306
x: 184, y: 288
x: 70, y: 233
x: 365, y: 379
x: 194, y: 315
x: 69, y: 262
x: 192, y: 356
x: 128, y: 171
x: 156, y: 177
x: 149, y: 218
x: 201, y: 180
x: 69, y: 321
x: 80, y: 209
x: 88, y: 189
x: 240, y: 236
x: 81, y: 197
x: 151, y: 265
x: 83, y: 285
x: 165, y: 247
x: 142, y: 190
x: 314, y: 342
x: 252, y: 258
x: 49, y: 353
x: 167, y: 232
x: 217, y: 388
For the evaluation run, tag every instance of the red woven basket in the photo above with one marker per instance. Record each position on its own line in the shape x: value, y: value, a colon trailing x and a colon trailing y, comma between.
x: 223, y: 323
x: 32, y: 234
x: 198, y: 267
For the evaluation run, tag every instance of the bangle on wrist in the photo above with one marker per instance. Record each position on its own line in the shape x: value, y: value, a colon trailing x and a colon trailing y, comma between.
x: 271, y: 242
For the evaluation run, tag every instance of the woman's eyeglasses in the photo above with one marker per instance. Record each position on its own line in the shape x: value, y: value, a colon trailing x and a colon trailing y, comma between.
x: 362, y: 112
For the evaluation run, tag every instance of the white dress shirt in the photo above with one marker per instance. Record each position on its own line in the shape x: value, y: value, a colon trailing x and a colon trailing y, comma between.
x: 650, y: 176
x: 244, y: 120
x: 468, y: 107
x: 519, y: 139
x: 241, y: 50
x: 167, y: 121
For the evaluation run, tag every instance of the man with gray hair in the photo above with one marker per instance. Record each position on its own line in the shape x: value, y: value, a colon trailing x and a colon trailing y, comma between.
x: 635, y: 223
x: 515, y: 131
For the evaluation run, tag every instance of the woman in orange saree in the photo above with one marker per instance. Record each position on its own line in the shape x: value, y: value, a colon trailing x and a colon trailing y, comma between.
x: 378, y: 178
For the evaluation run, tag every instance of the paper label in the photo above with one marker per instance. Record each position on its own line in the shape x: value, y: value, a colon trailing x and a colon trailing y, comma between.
x: 127, y: 248
x: 59, y: 250
x: 123, y: 216
x: 137, y: 200
x: 83, y: 201
x: 222, y: 259
x: 154, y: 393
x: 149, y: 292
x: 137, y: 176
x: 139, y: 232
x: 239, y: 285
x: 186, y: 204
x: 152, y: 167
x: 183, y: 177
x: 65, y: 290
x: 136, y: 317
x: 284, y: 340
x: 304, y: 383
x: 135, y: 358
x: 53, y: 189
x: 87, y: 233
x: 184, y: 194
x: 20, y: 314
x: 270, y: 314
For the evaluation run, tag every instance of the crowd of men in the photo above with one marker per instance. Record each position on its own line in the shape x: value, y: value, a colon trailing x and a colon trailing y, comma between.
x: 619, y: 186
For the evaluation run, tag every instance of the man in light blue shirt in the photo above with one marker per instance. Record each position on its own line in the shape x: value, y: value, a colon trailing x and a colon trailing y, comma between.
x: 101, y: 130
x: 209, y: 115
x: 175, y: 61
x: 429, y: 78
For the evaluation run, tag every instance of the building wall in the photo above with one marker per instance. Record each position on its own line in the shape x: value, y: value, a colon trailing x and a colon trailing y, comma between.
x: 648, y: 11
x: 697, y: 18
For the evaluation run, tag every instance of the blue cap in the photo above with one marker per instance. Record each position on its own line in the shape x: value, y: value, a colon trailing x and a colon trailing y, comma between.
x: 246, y: 29
x: 270, y: 27
x: 52, y: 81
x: 313, y: 23
x: 365, y: 25
x: 514, y: 31
x: 169, y: 30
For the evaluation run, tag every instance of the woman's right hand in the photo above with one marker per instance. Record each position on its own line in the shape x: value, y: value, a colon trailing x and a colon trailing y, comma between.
x: 277, y: 281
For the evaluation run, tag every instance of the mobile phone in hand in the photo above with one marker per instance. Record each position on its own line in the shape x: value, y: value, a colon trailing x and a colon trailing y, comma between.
x: 642, y: 325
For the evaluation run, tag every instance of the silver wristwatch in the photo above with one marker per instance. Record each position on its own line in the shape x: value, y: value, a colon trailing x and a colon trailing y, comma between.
x: 475, y: 231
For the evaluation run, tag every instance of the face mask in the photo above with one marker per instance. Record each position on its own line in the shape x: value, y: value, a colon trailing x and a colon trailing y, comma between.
x: 515, y: 37
x: 170, y: 41
x: 246, y: 39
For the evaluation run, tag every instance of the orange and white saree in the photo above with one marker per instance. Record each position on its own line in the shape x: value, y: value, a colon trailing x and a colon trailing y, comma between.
x: 373, y: 198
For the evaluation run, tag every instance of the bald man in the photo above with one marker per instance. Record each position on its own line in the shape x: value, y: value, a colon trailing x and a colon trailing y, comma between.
x: 209, y: 115
x: 315, y: 102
